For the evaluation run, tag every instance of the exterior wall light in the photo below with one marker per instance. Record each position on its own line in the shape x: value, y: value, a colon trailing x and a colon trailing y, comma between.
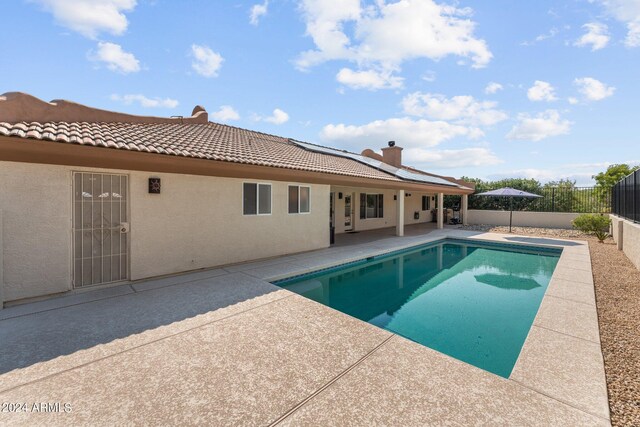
x: 154, y: 185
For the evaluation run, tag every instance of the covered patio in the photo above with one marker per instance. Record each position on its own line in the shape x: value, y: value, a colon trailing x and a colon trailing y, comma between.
x: 372, y: 236
x: 358, y: 209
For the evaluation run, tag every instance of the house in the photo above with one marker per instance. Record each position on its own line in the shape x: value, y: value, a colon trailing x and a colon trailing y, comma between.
x: 91, y: 197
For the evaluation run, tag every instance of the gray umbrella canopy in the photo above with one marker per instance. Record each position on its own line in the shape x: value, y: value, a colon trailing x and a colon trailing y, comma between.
x: 511, y: 193
x: 508, y: 192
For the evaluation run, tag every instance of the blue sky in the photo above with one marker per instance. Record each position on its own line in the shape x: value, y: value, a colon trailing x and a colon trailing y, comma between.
x: 488, y: 89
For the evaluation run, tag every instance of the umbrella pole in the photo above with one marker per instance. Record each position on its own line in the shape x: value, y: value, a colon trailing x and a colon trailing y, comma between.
x: 510, y: 212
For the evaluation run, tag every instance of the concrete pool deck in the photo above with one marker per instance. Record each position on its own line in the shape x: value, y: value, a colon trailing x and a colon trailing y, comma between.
x: 224, y: 346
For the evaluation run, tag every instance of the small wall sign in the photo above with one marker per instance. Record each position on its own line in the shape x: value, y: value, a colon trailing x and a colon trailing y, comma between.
x: 154, y: 185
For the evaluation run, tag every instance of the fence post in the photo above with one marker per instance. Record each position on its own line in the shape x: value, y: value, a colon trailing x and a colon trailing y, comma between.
x: 553, y: 199
x: 635, y: 194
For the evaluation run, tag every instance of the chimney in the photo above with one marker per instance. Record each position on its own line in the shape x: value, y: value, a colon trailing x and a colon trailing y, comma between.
x: 392, y: 155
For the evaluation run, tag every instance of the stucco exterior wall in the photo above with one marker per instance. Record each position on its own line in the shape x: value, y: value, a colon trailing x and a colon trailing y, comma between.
x: 523, y: 219
x: 36, y: 243
x: 627, y: 234
x: 413, y: 204
x: 196, y: 222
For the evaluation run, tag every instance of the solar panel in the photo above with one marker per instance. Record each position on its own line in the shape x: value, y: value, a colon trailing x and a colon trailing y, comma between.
x: 377, y: 164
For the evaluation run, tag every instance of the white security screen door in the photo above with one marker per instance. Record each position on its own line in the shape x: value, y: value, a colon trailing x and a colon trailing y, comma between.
x: 100, y: 228
x: 348, y: 226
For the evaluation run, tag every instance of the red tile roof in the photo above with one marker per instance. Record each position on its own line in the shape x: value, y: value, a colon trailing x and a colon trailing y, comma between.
x: 27, y: 117
x: 205, y: 141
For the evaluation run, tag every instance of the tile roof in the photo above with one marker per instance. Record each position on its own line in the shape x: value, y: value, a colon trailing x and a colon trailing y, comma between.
x: 205, y: 141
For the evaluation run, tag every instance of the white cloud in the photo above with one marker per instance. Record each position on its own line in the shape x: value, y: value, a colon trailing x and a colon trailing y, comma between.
x: 459, y: 109
x: 551, y: 34
x: 372, y: 80
x: 226, y: 113
x: 633, y: 36
x: 429, y: 76
x: 592, y: 89
x: 257, y: 11
x: 408, y: 132
x: 90, y: 17
x: 541, y: 91
x: 445, y: 159
x: 206, y: 62
x: 144, y: 101
x: 542, y: 37
x: 627, y: 12
x: 572, y: 100
x: 597, y: 36
x: 115, y: 58
x: 277, y: 117
x: 543, y: 125
x: 387, y: 34
x: 492, y: 88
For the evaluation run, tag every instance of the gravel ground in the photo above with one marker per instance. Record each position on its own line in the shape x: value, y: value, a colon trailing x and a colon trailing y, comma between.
x: 617, y: 284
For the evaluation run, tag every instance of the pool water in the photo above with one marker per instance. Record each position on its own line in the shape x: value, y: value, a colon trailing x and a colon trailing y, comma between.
x: 473, y: 301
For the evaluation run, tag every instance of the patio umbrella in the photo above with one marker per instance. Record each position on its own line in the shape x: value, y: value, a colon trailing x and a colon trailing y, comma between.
x: 510, y: 193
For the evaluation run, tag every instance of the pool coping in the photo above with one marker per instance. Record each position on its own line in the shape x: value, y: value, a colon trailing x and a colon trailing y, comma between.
x: 559, y: 373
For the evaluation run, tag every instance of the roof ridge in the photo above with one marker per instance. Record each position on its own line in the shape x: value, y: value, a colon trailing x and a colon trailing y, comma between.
x: 20, y: 106
x: 247, y: 130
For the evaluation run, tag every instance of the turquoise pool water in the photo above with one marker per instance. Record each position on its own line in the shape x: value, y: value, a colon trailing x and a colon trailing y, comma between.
x: 473, y: 301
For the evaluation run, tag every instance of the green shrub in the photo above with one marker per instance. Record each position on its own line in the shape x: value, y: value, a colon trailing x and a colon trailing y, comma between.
x: 596, y: 224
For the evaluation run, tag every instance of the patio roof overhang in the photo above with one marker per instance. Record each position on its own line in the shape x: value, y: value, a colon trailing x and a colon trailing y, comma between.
x: 45, y: 152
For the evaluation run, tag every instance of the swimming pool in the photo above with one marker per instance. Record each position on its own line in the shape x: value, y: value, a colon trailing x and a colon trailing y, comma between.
x: 472, y: 300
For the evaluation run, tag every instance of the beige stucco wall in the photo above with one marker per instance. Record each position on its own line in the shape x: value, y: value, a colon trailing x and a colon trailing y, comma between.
x: 36, y: 206
x: 628, y: 238
x: 523, y: 219
x: 196, y: 222
x: 412, y: 204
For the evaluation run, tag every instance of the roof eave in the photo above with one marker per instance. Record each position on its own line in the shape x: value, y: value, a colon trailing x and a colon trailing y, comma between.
x: 58, y: 153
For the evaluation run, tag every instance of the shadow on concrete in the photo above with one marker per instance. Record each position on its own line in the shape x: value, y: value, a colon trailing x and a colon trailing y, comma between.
x: 43, y: 336
x: 370, y: 236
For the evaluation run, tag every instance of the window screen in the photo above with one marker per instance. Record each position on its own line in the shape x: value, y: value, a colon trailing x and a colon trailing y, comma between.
x: 250, y: 200
x: 304, y: 199
x: 299, y: 199
x: 256, y: 199
x: 293, y: 199
x: 264, y: 199
x: 371, y: 206
x: 426, y: 203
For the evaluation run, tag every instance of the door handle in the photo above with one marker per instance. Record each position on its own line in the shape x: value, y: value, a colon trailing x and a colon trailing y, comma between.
x: 124, y: 227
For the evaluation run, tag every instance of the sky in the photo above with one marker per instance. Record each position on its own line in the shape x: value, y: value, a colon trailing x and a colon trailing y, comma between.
x: 488, y: 89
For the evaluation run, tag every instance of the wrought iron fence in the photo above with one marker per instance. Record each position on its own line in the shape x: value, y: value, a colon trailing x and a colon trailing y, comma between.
x: 554, y: 199
x: 626, y: 197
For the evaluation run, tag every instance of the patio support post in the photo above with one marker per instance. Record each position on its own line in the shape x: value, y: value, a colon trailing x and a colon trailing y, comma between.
x: 400, y: 213
x: 440, y: 213
x: 465, y: 208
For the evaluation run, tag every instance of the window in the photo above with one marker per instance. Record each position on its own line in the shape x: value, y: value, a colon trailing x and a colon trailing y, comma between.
x: 298, y: 199
x: 426, y: 203
x: 371, y: 206
x: 256, y: 199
